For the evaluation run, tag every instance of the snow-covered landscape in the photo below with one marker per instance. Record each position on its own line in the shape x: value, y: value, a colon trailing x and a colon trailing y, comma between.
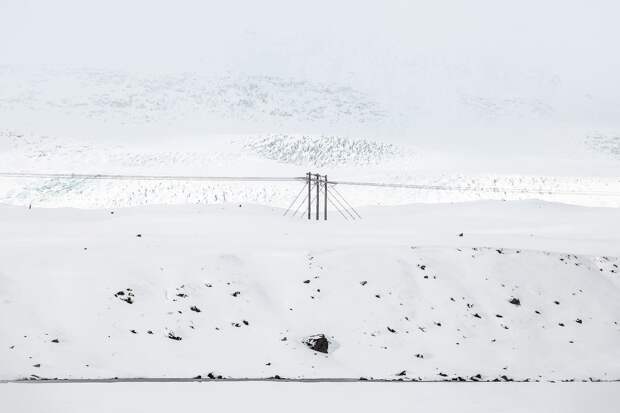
x: 155, y: 246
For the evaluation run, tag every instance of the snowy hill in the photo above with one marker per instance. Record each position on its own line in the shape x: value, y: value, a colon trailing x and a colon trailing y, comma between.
x: 234, y: 291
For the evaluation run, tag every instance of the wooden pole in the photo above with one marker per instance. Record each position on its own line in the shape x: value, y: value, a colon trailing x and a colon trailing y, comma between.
x: 325, y: 200
x: 318, y: 187
x: 309, y: 195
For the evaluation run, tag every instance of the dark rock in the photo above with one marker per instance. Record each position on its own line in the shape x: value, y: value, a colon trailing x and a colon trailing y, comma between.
x: 55, y: 341
x: 391, y: 330
x: 149, y: 332
x: 402, y: 373
x: 578, y: 321
x: 211, y: 376
x: 363, y: 282
x: 461, y: 234
x: 307, y: 282
x: 499, y: 316
x: 198, y: 377
x: 236, y: 293
x: 477, y: 315
x: 171, y: 336
x: 443, y: 374
x: 133, y: 331
x: 37, y: 365
x: 247, y: 323
x: 139, y: 235
x: 195, y: 309
x: 420, y: 356
x: 515, y: 301
x: 557, y: 302
x: 317, y: 342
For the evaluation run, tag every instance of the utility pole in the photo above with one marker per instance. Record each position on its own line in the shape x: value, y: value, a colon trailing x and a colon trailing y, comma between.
x: 318, y: 187
x: 309, y: 195
x: 325, y: 200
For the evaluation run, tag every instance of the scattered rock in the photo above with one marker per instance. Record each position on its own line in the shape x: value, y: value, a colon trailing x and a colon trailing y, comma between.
x: 195, y: 309
x: 317, y: 342
x: 247, y: 323
x: 402, y: 373
x: 55, y: 341
x: 171, y: 336
x: 461, y: 234
x: 363, y: 282
x: 307, y: 282
x: 138, y: 235
x: 37, y: 365
x: 134, y: 331
x: 578, y: 321
x: 236, y: 293
x: 391, y: 330
x: 477, y: 315
x: 515, y: 301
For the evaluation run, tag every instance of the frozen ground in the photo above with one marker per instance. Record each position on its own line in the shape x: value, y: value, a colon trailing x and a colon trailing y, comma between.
x: 299, y: 397
x: 530, y: 291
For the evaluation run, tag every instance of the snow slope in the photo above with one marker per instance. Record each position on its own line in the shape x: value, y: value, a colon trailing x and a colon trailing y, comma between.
x: 397, y: 292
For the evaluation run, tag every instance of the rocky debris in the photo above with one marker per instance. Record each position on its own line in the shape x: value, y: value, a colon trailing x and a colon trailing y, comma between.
x: 499, y: 316
x: 134, y: 331
x: 125, y: 296
x: 578, y: 321
x: 556, y: 302
x: 198, y: 377
x: 172, y: 336
x: 247, y: 323
x: 283, y: 339
x: 149, y: 332
x: 138, y: 235
x: 477, y: 315
x: 37, y: 365
x: 55, y: 341
x: 306, y: 281
x: 515, y: 301
x: 236, y: 293
x: 363, y: 283
x: 182, y: 295
x: 195, y: 309
x: 391, y: 330
x: 402, y: 373
x: 420, y: 356
x: 317, y: 342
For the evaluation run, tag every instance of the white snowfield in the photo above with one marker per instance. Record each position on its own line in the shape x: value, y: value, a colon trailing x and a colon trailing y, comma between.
x: 454, y: 175
x: 530, y: 291
x: 302, y: 397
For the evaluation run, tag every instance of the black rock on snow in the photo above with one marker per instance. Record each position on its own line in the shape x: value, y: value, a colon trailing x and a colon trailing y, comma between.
x: 317, y: 342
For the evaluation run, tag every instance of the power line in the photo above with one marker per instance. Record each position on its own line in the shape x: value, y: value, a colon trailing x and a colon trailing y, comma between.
x: 150, y: 177
x: 476, y: 189
x: 295, y: 200
x: 345, y: 200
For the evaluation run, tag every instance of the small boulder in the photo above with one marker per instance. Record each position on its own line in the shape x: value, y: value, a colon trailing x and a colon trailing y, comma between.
x: 317, y: 342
